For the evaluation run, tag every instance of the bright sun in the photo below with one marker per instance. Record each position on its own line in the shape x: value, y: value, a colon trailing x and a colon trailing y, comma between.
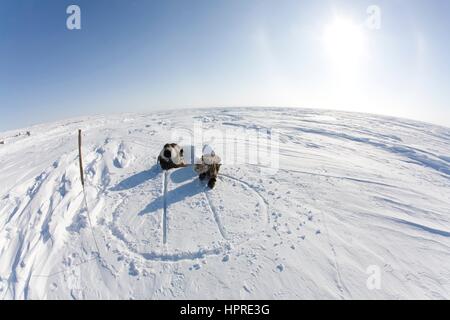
x: 344, y: 42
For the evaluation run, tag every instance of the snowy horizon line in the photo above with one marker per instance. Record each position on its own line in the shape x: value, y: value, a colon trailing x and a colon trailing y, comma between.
x: 159, y: 110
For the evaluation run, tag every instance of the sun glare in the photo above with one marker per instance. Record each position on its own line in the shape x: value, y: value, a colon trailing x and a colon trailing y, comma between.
x: 344, y: 42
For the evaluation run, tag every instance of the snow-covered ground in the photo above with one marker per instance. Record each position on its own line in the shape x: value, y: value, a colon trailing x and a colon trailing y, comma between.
x: 355, y: 199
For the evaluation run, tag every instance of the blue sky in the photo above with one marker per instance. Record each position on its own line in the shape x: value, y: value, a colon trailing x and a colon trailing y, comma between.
x: 146, y: 55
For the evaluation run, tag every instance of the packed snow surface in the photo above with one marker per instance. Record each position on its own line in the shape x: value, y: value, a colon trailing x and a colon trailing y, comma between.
x: 356, y: 206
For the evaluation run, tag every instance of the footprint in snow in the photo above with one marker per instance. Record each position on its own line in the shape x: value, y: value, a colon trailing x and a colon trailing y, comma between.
x: 280, y: 268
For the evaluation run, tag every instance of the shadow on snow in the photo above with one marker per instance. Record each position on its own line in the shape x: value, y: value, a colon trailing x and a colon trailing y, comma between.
x: 177, y: 176
x: 137, y: 179
x: 179, y: 194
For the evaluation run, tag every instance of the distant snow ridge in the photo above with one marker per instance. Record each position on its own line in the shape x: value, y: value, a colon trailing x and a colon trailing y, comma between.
x: 355, y: 197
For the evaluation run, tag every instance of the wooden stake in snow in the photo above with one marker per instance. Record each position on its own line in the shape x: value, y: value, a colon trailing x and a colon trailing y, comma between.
x: 84, y: 192
x: 80, y: 157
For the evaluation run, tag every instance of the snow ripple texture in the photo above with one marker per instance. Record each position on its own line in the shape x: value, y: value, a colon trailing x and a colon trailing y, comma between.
x: 353, y: 192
